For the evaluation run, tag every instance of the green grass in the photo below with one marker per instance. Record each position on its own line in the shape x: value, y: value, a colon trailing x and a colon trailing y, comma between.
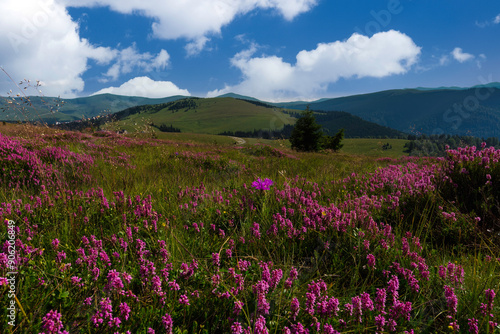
x: 368, y: 147
x: 195, y: 138
x: 273, y: 143
x: 373, y: 147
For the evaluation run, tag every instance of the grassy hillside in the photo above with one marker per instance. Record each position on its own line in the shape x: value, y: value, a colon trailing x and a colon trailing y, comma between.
x: 209, y: 116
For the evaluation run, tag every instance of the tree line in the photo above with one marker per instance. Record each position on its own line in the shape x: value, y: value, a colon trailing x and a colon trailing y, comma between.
x: 283, y: 133
x: 435, y: 145
x: 165, y: 128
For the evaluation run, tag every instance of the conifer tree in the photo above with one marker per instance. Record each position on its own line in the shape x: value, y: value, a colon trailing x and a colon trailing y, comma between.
x: 333, y: 143
x: 306, y: 134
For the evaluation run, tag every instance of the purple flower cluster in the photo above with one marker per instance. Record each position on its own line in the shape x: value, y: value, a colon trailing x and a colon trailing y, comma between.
x: 52, y: 323
x: 451, y: 299
x: 452, y: 273
x: 168, y: 323
x: 262, y: 184
x: 105, y: 312
x: 487, y: 309
x: 371, y: 260
x: 473, y: 326
x: 26, y: 164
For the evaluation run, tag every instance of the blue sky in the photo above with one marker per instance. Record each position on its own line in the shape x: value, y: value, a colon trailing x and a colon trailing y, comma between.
x: 275, y: 50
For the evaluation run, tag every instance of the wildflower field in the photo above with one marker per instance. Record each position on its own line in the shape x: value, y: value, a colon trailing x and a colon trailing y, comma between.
x: 104, y: 233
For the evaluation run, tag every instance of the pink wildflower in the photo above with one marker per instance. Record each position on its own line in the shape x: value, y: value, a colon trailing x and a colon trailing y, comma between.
x: 262, y: 184
x: 371, y: 260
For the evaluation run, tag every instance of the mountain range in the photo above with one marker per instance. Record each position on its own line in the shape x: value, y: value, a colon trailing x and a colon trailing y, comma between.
x: 451, y: 110
x: 52, y: 110
x: 471, y: 111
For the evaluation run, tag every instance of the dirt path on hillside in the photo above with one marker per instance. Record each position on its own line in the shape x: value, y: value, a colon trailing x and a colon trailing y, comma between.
x: 239, y: 141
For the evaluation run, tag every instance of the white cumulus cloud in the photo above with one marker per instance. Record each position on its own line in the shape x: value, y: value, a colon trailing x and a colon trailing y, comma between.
x: 128, y: 59
x: 145, y: 87
x: 39, y: 41
x: 195, y: 19
x: 270, y: 77
x: 461, y: 56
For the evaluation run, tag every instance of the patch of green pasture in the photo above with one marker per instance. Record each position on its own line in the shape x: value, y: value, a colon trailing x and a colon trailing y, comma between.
x: 278, y: 143
x: 374, y: 147
x: 195, y: 138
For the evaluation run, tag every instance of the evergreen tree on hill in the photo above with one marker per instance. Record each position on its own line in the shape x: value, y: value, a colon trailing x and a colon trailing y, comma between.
x: 306, y: 134
x: 333, y: 143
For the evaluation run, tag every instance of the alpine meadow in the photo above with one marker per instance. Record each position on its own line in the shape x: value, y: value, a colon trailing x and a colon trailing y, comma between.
x: 249, y: 167
x: 110, y: 233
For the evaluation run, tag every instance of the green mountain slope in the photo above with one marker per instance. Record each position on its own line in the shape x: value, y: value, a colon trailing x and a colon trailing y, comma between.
x: 354, y: 126
x: 474, y: 111
x: 209, y: 116
x: 45, y: 108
